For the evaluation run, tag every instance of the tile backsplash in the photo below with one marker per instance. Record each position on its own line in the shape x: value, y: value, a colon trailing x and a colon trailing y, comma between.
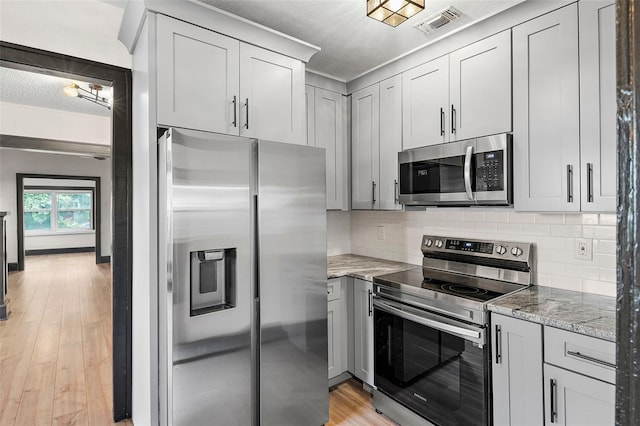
x: 397, y: 236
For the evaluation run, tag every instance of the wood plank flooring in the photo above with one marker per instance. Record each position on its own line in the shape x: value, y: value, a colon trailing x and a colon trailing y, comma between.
x: 350, y: 405
x: 55, y: 348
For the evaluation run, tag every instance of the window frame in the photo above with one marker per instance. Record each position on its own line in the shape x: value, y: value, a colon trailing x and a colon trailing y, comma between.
x: 54, y: 191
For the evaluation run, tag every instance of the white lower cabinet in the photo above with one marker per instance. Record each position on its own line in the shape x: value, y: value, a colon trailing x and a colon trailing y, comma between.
x: 572, y: 399
x: 516, y: 371
x: 363, y: 330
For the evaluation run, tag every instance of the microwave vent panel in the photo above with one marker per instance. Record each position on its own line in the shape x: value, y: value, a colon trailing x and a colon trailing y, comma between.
x: 439, y: 20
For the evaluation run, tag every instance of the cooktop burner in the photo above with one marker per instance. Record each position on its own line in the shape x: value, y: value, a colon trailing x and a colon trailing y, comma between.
x: 463, y: 289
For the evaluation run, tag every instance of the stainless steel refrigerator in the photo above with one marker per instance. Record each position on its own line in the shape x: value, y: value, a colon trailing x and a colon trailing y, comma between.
x: 242, y: 281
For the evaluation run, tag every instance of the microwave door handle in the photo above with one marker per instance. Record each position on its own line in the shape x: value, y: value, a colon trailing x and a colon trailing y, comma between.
x: 467, y: 172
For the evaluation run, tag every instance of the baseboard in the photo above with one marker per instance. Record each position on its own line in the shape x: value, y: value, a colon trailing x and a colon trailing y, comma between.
x: 12, y: 266
x: 59, y: 251
x: 343, y: 377
x: 105, y: 259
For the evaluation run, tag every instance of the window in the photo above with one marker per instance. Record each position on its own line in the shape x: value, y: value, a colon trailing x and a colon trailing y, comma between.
x: 58, y: 211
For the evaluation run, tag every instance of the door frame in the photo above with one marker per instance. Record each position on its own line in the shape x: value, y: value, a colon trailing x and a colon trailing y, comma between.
x: 97, y: 215
x: 28, y: 58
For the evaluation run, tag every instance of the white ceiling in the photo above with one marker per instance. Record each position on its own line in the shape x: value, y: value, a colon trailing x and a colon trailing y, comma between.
x: 45, y: 91
x: 352, y: 43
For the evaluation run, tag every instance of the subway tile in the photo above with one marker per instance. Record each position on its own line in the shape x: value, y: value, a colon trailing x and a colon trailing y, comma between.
x: 552, y: 268
x: 607, y: 219
x: 604, y: 260
x: 555, y: 218
x: 566, y: 283
x: 583, y: 271
x: 581, y: 219
x: 608, y: 275
x: 474, y: 216
x: 510, y: 228
x: 566, y: 230
x: 487, y: 227
x: 604, y: 246
x: 521, y: 217
x: 601, y: 232
x: 599, y: 287
x: 535, y: 229
x: 499, y: 217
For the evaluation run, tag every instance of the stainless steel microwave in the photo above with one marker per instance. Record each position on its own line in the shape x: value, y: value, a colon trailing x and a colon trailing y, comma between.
x: 462, y: 173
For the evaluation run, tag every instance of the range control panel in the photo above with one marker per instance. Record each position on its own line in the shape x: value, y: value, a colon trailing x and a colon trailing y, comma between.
x: 493, y: 249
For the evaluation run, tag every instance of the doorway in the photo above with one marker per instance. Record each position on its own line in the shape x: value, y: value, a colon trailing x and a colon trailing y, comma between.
x: 39, y: 61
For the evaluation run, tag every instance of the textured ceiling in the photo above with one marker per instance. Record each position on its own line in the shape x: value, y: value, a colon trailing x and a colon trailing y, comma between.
x: 45, y: 91
x: 352, y: 43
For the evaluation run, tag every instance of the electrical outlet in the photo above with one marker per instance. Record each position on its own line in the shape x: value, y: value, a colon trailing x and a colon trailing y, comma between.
x: 381, y: 233
x: 584, y: 248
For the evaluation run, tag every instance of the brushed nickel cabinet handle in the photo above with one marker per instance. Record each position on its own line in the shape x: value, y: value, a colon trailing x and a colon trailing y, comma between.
x: 246, y: 123
x: 453, y: 119
x: 498, y: 344
x: 441, y: 121
x: 369, y: 300
x: 569, y: 183
x: 373, y: 193
x: 589, y: 183
x: 588, y: 358
x: 235, y: 113
x: 554, y: 403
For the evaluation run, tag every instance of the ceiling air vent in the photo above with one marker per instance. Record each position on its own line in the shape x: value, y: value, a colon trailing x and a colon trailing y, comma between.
x: 439, y: 20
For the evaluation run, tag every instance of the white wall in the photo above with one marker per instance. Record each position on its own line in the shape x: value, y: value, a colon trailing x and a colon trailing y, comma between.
x: 15, y: 161
x: 36, y: 122
x: 554, y: 236
x: 85, y: 29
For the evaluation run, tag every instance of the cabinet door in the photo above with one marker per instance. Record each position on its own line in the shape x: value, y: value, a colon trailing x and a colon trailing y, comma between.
x: 309, y: 97
x: 572, y: 399
x: 197, y: 78
x: 271, y: 96
x: 546, y: 138
x: 480, y: 89
x: 363, y: 330
x: 329, y: 128
x: 365, y: 146
x: 598, y: 105
x: 390, y: 141
x: 334, y: 323
x: 425, y: 104
x: 517, y: 370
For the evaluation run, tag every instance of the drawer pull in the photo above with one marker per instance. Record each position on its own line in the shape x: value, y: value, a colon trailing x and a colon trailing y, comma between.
x: 588, y: 358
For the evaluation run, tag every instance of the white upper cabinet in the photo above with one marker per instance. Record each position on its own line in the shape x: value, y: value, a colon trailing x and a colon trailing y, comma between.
x: 309, y: 96
x: 463, y: 95
x: 390, y: 142
x: 480, y: 89
x: 210, y: 82
x: 271, y: 95
x: 198, y: 78
x: 365, y: 146
x: 425, y: 104
x: 329, y: 126
x: 598, y: 105
x: 546, y: 127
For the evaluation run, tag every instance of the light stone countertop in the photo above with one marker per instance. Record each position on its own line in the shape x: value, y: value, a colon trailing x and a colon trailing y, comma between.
x: 362, y: 267
x: 589, y: 314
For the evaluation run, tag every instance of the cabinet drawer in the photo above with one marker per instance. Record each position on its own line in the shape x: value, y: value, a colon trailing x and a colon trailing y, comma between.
x: 333, y: 289
x: 582, y: 354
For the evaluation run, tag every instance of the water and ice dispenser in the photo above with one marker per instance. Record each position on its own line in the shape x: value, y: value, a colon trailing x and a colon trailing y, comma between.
x: 213, y: 280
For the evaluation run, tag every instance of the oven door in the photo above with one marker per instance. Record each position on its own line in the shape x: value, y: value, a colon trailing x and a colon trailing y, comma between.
x: 436, y: 366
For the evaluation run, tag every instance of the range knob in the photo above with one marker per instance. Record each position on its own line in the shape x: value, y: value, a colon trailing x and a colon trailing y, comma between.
x: 516, y: 251
x: 439, y: 243
x: 501, y: 249
x: 428, y: 242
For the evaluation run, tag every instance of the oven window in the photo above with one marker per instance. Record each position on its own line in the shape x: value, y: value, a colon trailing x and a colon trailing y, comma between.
x: 441, y: 377
x: 437, y: 176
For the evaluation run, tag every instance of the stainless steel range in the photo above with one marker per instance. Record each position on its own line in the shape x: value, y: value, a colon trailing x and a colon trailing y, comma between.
x: 432, y: 360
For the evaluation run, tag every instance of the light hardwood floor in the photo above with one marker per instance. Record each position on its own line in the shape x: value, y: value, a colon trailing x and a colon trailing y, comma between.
x: 55, y: 348
x: 350, y: 405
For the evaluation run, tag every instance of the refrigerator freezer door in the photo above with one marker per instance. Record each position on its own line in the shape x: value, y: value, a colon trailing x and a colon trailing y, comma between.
x: 292, y: 284
x: 208, y: 300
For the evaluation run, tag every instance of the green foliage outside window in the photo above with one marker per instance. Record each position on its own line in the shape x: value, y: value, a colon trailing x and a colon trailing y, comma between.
x: 52, y: 211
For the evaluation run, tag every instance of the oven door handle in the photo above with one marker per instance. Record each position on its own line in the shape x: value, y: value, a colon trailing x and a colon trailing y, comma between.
x: 383, y: 306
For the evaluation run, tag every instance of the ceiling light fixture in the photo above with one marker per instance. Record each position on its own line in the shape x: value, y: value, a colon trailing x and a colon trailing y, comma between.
x: 92, y: 95
x: 393, y: 12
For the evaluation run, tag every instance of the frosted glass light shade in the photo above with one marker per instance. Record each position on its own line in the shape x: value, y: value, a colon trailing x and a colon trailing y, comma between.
x: 393, y: 12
